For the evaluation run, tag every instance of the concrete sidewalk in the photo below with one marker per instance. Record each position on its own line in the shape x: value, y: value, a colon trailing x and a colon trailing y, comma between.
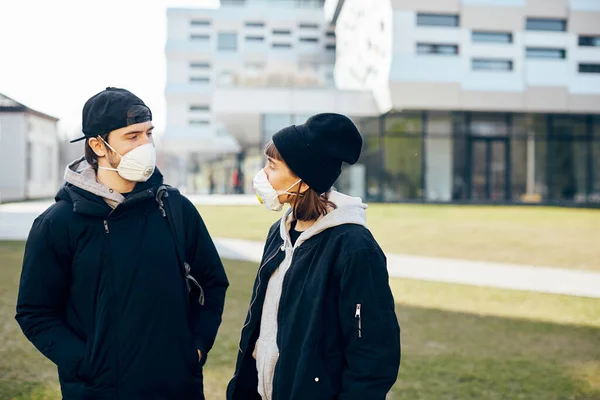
x: 505, y: 276
x: 16, y: 220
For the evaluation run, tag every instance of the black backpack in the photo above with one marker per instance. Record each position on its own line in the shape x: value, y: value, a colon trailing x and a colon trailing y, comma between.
x: 172, y: 210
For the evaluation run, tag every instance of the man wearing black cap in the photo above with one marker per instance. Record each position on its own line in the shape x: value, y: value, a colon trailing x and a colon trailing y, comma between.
x: 105, y: 289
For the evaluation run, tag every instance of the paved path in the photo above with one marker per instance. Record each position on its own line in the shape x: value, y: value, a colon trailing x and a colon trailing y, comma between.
x: 16, y: 220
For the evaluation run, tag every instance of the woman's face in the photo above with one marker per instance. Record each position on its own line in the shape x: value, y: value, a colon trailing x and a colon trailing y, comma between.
x: 282, y: 178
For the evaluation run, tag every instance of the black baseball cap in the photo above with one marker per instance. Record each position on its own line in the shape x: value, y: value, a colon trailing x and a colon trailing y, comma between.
x: 111, y: 109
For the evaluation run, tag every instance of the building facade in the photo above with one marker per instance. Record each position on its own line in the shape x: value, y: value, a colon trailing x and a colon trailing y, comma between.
x: 458, y: 100
x: 29, y: 152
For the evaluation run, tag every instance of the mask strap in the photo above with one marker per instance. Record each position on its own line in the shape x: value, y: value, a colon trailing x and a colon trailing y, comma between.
x: 108, y: 169
x: 287, y: 190
x: 110, y: 147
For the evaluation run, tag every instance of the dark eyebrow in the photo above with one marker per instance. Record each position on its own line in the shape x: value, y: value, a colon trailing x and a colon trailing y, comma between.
x: 137, y: 131
x: 271, y: 160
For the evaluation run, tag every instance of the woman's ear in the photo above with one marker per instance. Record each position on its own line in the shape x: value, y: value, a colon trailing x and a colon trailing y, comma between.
x: 303, y: 187
x: 97, y: 147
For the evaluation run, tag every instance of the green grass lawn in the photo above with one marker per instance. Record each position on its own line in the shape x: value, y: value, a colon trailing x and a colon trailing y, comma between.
x: 459, y: 342
x: 545, y: 236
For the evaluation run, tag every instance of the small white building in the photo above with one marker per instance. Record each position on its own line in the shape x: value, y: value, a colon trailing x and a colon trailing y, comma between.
x: 29, y: 152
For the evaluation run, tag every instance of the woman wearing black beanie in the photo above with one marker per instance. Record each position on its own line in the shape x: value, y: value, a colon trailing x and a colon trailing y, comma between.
x: 321, y: 322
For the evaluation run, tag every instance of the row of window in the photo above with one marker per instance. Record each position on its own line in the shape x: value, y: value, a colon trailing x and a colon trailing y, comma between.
x: 452, y: 49
x: 257, y: 24
x: 487, y: 64
x: 228, y: 41
x: 531, y: 24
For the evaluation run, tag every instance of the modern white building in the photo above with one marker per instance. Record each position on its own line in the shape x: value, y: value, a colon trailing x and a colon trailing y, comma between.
x: 458, y: 100
x: 29, y: 152
x: 237, y: 74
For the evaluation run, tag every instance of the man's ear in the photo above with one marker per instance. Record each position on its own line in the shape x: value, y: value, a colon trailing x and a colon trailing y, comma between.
x: 97, y: 147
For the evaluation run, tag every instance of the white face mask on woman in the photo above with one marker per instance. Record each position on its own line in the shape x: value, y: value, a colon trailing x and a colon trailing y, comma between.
x: 137, y: 165
x: 266, y: 193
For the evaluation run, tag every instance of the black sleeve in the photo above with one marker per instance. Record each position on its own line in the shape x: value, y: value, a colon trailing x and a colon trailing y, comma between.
x: 207, y: 269
x: 369, y: 326
x: 43, y: 294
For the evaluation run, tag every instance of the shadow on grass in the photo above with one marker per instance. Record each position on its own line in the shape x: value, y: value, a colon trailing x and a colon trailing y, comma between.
x: 446, y: 354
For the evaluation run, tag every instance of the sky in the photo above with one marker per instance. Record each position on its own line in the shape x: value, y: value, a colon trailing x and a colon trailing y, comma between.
x: 55, y: 54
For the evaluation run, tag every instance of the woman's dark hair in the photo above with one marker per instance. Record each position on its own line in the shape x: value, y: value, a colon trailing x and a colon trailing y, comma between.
x: 310, y: 205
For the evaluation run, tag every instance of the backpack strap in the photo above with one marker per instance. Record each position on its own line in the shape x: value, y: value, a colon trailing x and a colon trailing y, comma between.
x: 172, y: 211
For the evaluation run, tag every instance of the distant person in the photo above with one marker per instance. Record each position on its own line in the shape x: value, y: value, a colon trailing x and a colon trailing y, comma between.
x: 106, y: 292
x: 321, y: 322
x: 211, y: 182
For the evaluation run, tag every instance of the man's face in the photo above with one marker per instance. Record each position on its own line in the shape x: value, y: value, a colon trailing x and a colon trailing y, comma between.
x: 122, y: 140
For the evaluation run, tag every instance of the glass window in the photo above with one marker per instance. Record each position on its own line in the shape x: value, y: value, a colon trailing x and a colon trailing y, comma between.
x: 487, y: 64
x: 593, y: 41
x: 199, y: 122
x: 199, y: 38
x: 272, y: 123
x: 330, y: 47
x: 309, y: 40
x: 492, y: 124
x: 330, y: 34
x: 589, y: 68
x: 424, y: 19
x: 281, y: 45
x: 199, y: 79
x: 199, y: 107
x: 250, y: 24
x: 443, y: 49
x: 540, y: 52
x: 546, y: 24
x: 255, y: 38
x: 282, y: 32
x: 309, y: 26
x: 199, y: 65
x: 200, y: 22
x: 227, y: 41
x: 492, y: 37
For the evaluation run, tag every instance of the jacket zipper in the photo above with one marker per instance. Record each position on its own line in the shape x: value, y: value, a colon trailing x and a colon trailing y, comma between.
x: 358, y: 319
x: 282, y: 248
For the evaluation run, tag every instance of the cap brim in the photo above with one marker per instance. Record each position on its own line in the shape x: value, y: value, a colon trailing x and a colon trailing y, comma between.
x: 78, y: 139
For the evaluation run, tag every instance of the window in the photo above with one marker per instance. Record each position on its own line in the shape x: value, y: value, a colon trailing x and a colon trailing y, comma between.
x: 199, y: 107
x: 199, y: 122
x: 281, y: 45
x: 437, y: 19
x: 541, y: 52
x: 309, y: 40
x: 487, y: 64
x: 546, y: 24
x: 227, y: 41
x: 309, y: 26
x: 281, y: 32
x: 444, y: 49
x: 255, y: 38
x: 198, y: 38
x: 593, y: 41
x: 492, y: 37
x: 589, y: 68
x: 200, y: 22
x: 255, y: 24
x: 199, y: 65
x: 199, y: 79
x: 330, y: 34
x: 330, y: 47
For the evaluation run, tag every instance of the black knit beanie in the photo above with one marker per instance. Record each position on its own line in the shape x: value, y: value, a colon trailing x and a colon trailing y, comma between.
x: 316, y: 149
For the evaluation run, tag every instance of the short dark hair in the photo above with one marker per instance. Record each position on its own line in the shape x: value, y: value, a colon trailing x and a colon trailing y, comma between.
x: 90, y: 156
x: 309, y: 205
